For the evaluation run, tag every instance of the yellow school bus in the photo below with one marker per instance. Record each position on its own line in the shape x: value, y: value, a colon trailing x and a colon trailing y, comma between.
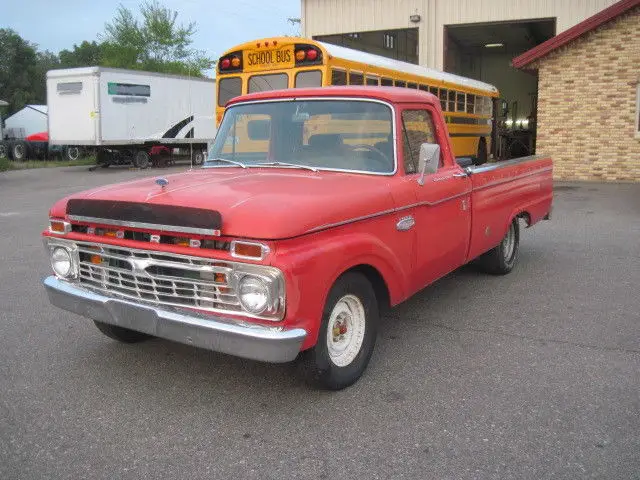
x: 290, y: 62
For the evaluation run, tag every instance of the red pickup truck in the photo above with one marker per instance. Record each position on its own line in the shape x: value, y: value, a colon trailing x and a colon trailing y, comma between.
x: 316, y: 210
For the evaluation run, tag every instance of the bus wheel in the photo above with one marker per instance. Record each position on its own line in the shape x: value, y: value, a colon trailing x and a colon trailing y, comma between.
x: 481, y: 158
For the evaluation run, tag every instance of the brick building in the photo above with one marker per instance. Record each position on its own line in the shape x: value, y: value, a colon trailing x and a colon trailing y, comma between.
x: 589, y: 96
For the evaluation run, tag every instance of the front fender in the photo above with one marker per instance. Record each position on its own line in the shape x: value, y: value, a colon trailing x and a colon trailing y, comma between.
x: 313, y: 263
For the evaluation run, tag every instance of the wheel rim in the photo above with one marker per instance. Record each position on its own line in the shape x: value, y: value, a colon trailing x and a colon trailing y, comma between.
x: 198, y: 158
x: 509, y: 243
x: 3, y: 151
x: 142, y: 160
x: 18, y: 152
x: 73, y: 153
x: 345, y: 332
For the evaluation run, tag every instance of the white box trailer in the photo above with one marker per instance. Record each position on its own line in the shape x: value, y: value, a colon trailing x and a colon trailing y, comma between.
x: 125, y: 113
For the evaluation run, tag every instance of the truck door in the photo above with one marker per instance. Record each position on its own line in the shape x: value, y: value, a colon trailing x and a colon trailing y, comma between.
x: 443, y: 211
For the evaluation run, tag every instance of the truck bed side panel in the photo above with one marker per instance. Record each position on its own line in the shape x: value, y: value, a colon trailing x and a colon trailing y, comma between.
x: 504, y: 190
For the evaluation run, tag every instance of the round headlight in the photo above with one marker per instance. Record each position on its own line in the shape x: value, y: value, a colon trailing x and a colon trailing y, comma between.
x: 61, y: 262
x: 254, y: 294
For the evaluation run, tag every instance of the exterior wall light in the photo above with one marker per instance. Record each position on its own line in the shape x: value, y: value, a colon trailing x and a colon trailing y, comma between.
x: 415, y: 18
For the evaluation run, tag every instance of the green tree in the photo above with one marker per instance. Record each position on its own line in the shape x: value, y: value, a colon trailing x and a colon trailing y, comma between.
x: 86, y: 54
x: 156, y: 42
x: 18, y: 71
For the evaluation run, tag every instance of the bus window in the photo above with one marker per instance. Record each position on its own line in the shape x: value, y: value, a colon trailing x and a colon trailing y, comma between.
x: 424, y: 88
x: 452, y: 101
x: 434, y: 90
x: 228, y: 88
x: 470, y: 103
x: 386, y: 82
x: 338, y: 77
x: 443, y: 99
x: 311, y: 78
x: 356, y: 78
x: 400, y: 83
x: 371, y: 80
x: 262, y: 83
x: 460, y: 102
x: 412, y: 85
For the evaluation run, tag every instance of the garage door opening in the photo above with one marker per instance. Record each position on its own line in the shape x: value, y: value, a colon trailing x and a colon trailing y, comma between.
x: 399, y: 44
x: 484, y: 51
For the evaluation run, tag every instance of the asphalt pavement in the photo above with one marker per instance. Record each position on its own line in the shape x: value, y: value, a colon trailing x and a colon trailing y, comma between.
x: 533, y: 375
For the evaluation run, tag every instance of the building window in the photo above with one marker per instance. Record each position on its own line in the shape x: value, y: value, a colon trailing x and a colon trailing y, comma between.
x: 389, y: 40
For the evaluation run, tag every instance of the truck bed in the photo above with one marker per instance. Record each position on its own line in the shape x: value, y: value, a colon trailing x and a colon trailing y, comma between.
x: 503, y: 190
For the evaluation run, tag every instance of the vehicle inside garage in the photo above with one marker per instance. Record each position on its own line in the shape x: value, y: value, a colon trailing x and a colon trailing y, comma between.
x: 484, y: 51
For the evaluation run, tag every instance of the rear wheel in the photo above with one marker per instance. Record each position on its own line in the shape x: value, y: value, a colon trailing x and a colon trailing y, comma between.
x: 121, y: 334
x: 347, y: 334
x: 501, y: 259
x: 198, y: 158
x: 19, y: 151
x: 141, y: 159
x: 3, y: 151
x: 71, y: 153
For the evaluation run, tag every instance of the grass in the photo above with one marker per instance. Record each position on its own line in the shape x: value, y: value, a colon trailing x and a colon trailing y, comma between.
x: 6, y: 164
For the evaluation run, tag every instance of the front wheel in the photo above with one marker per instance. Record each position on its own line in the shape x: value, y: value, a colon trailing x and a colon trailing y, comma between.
x: 347, y: 334
x: 501, y: 259
x: 121, y: 334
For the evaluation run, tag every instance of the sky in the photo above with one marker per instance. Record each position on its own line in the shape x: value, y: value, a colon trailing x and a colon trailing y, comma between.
x: 57, y: 24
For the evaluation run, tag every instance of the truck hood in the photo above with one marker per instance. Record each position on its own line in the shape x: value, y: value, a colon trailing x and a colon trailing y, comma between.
x: 264, y: 204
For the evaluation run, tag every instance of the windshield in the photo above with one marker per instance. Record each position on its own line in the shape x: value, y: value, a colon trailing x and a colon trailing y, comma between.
x: 319, y: 134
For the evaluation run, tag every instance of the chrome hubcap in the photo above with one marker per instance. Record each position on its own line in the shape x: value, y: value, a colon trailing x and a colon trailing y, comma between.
x: 345, y: 332
x: 509, y: 243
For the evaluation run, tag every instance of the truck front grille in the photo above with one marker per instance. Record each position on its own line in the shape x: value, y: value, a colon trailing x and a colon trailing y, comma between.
x: 159, y: 278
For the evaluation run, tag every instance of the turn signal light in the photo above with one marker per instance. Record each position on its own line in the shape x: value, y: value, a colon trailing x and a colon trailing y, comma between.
x: 59, y: 226
x: 249, y: 250
x: 300, y: 55
x: 235, y: 62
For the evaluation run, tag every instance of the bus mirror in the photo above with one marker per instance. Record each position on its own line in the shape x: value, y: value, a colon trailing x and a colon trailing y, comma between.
x: 258, y: 129
x: 429, y: 160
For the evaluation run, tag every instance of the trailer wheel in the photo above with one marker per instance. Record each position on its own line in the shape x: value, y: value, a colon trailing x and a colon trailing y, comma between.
x: 198, y: 158
x: 71, y: 153
x: 141, y: 159
x: 19, y: 151
x: 3, y: 151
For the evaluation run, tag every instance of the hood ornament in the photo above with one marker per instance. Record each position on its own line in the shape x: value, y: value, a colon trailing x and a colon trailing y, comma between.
x: 163, y: 182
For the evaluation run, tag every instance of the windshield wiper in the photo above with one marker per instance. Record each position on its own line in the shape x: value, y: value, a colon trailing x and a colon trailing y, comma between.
x: 232, y: 162
x: 284, y: 164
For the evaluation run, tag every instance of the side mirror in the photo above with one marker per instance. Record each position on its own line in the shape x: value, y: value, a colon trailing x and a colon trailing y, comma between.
x: 429, y: 160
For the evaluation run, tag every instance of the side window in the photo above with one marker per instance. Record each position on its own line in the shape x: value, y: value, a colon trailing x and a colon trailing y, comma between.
x: 356, y: 78
x: 386, y: 82
x: 372, y: 80
x: 412, y: 85
x: 443, y: 99
x: 417, y: 128
x: 338, y: 77
x: 400, y: 83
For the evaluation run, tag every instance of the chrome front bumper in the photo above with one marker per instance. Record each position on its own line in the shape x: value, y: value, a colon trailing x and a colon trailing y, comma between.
x: 256, y: 342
